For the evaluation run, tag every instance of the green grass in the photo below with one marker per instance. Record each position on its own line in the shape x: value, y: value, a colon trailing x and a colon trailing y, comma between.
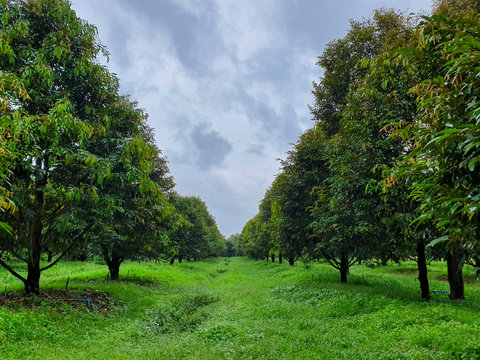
x: 242, y: 309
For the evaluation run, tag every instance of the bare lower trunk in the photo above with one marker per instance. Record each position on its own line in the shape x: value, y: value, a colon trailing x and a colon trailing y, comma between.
x: 343, y: 268
x: 280, y: 259
x: 422, y: 271
x: 273, y: 258
x: 455, y: 262
x: 113, y: 261
x: 172, y: 260
x: 114, y: 269
x: 32, y: 283
x: 291, y: 261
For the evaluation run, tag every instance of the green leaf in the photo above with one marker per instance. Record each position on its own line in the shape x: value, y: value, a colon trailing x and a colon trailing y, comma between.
x: 438, y: 240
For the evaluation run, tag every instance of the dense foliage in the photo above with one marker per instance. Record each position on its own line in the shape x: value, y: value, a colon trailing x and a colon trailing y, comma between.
x: 79, y: 168
x: 390, y: 169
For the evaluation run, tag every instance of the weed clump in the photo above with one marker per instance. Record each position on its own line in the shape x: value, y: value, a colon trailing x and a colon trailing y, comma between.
x: 186, y: 314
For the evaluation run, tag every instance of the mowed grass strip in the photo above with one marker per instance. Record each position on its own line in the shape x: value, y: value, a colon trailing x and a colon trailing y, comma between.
x: 242, y: 309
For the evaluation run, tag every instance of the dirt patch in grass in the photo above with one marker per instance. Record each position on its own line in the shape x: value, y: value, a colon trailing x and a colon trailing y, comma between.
x: 61, y: 300
x: 467, y: 279
x: 407, y: 271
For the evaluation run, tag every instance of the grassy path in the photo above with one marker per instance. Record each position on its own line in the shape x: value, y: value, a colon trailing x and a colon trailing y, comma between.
x: 241, y: 309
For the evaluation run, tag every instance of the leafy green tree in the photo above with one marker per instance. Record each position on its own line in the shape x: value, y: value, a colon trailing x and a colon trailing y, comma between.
x: 292, y: 193
x: 456, y: 7
x: 200, y: 237
x: 50, y: 56
x: 255, y: 243
x: 364, y: 40
x: 233, y: 245
x: 136, y: 217
x: 445, y: 132
x: 349, y: 221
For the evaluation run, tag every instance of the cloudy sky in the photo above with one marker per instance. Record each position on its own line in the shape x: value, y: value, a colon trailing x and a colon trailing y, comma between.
x: 226, y: 83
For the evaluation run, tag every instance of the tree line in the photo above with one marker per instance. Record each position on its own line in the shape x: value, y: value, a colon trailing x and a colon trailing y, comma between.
x: 389, y: 170
x: 80, y: 173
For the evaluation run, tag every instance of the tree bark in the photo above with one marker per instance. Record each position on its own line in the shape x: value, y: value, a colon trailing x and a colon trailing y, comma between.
x: 273, y: 258
x: 455, y: 262
x: 32, y: 283
x: 180, y: 259
x: 172, y: 260
x: 343, y: 268
x: 280, y: 259
x: 291, y: 261
x: 422, y: 271
x: 113, y: 262
x: 114, y: 268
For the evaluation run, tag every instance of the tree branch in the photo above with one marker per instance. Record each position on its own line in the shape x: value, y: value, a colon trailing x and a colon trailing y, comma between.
x: 67, y: 249
x: 11, y: 271
x: 353, y: 262
x: 331, y: 261
x: 14, y: 253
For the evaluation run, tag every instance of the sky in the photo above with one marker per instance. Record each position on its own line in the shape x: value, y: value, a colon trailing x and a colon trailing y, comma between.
x: 226, y: 83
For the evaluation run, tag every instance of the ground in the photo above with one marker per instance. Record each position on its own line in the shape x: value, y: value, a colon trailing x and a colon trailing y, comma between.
x: 238, y: 309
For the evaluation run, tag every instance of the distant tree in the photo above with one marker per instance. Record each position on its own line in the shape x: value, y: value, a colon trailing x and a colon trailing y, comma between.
x: 199, y: 237
x: 255, y: 242
x: 348, y: 218
x: 292, y: 194
x: 456, y: 7
x: 141, y: 218
x: 364, y: 40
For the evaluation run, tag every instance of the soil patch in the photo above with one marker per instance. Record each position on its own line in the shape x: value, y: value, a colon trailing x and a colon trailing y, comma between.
x: 467, y: 279
x: 61, y: 300
x: 406, y: 271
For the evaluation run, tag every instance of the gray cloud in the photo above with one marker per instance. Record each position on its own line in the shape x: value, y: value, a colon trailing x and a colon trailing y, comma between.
x: 193, y: 31
x: 211, y: 147
x: 201, y: 147
x: 226, y: 83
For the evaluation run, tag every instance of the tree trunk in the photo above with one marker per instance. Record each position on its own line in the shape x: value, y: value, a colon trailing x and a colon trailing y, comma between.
x: 455, y: 262
x: 113, y: 262
x: 172, y: 260
x: 114, y: 268
x: 273, y: 258
x: 49, y: 256
x: 343, y: 268
x: 280, y: 259
x: 422, y: 271
x: 291, y: 261
x: 32, y: 283
x: 180, y: 259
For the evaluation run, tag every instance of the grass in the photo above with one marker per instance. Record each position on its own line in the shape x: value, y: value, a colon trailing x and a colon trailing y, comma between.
x: 242, y: 309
